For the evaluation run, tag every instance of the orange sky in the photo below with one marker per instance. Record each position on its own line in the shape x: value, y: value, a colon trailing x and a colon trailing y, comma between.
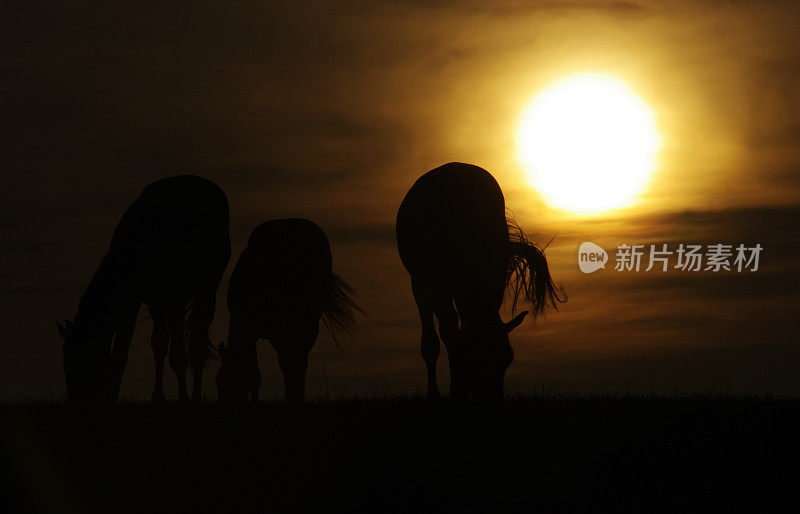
x: 331, y: 111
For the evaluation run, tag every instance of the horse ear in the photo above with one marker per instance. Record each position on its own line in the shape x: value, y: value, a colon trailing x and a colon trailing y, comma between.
x: 514, y: 323
x: 62, y: 330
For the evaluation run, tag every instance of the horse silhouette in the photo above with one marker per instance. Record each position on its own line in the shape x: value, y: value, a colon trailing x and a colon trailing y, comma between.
x: 279, y: 290
x: 169, y: 251
x: 460, y: 248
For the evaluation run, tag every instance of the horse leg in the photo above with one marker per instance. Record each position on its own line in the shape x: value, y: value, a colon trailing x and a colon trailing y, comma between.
x: 429, y: 342
x: 294, y: 365
x: 253, y: 375
x: 119, y: 353
x: 199, y: 342
x: 293, y: 360
x: 448, y: 328
x: 177, y: 350
x: 243, y: 355
x: 159, y: 341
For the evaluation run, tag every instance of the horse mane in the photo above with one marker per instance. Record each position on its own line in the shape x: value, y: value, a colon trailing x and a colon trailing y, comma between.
x: 527, y: 274
x: 339, y: 307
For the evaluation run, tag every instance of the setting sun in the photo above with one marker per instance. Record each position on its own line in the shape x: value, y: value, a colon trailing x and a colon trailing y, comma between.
x: 588, y: 144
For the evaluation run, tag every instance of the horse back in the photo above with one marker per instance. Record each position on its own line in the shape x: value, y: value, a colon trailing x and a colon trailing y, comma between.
x: 452, y: 224
x: 283, y: 274
x: 175, y: 235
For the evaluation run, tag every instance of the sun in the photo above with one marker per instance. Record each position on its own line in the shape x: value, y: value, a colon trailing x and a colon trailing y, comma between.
x: 588, y: 144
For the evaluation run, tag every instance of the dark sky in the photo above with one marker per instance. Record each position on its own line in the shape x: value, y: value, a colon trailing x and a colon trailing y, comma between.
x: 330, y: 111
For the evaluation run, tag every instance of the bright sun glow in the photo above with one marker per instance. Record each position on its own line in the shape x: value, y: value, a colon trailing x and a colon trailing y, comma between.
x: 588, y: 144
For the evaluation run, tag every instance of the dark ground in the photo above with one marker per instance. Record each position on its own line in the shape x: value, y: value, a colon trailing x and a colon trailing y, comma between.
x: 406, y: 455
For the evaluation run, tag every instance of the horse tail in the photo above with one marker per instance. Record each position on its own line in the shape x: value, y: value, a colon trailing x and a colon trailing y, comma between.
x: 339, y: 307
x: 528, y: 275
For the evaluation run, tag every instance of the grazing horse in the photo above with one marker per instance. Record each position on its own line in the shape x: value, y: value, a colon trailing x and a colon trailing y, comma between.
x: 168, y: 251
x: 460, y: 248
x: 279, y: 290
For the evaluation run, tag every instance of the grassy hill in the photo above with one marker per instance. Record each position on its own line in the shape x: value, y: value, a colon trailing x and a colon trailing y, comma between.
x: 406, y: 455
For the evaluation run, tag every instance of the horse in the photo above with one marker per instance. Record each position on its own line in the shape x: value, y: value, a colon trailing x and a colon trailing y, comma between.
x: 280, y: 289
x: 168, y: 252
x: 462, y: 252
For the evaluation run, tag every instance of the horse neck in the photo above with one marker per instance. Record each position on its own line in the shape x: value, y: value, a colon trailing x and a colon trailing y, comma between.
x: 478, y: 310
x: 110, y: 288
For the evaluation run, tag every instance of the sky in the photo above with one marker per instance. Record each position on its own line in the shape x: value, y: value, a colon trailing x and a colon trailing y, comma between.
x: 331, y: 110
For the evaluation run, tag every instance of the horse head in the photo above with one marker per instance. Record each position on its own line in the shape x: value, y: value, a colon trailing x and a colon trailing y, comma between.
x: 485, y: 355
x: 234, y: 379
x: 85, y: 362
